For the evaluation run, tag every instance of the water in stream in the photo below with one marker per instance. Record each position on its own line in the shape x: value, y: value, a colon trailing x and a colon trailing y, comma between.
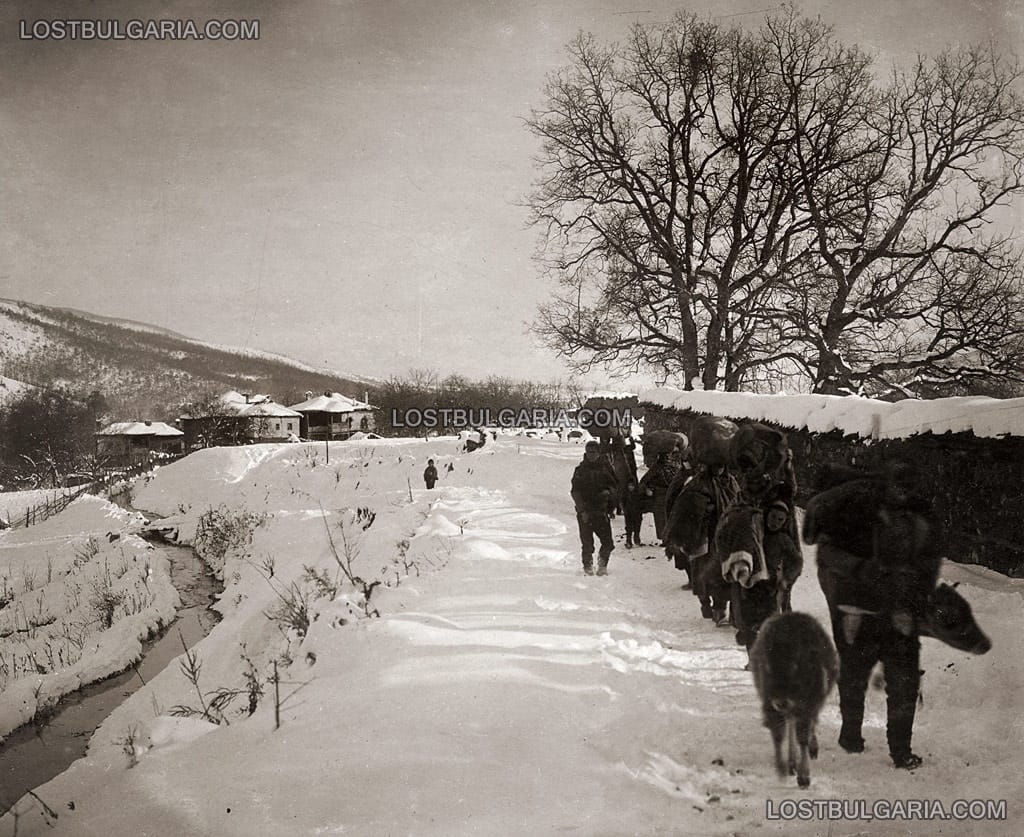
x: 33, y: 755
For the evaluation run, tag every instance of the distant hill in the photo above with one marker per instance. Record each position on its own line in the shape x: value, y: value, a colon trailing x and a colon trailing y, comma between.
x: 144, y: 371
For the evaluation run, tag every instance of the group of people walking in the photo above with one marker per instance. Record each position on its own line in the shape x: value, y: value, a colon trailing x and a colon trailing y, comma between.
x: 723, y: 502
x: 732, y: 532
x: 725, y: 515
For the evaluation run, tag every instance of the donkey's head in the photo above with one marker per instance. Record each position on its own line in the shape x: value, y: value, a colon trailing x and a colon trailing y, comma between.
x: 949, y: 619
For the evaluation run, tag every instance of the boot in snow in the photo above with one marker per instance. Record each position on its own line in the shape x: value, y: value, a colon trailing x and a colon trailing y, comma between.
x: 907, y: 760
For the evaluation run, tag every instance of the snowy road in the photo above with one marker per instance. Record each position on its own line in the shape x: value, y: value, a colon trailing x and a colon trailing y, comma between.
x: 501, y: 691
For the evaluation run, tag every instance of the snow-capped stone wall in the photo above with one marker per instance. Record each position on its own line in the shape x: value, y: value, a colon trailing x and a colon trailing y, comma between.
x: 969, y: 453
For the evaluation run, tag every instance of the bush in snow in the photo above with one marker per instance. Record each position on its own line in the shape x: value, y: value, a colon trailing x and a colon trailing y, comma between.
x: 223, y: 530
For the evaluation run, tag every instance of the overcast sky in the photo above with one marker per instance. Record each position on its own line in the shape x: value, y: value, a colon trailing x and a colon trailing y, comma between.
x: 344, y: 190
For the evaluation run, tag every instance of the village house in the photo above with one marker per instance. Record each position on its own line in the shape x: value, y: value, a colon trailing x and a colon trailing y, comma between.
x: 241, y: 418
x: 130, y: 442
x: 334, y: 416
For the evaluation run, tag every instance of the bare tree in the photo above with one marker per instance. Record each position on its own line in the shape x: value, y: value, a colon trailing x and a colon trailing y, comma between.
x: 909, y: 288
x: 212, y: 423
x: 732, y: 207
x: 667, y: 194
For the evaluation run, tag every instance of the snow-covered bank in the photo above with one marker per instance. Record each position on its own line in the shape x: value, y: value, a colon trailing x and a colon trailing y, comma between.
x: 79, y: 593
x: 500, y: 692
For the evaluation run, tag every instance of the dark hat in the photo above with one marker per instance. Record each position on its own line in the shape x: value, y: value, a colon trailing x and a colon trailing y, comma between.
x: 782, y: 505
x: 592, y: 445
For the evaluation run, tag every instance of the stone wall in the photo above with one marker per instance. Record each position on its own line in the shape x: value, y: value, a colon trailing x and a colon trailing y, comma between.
x: 977, y: 484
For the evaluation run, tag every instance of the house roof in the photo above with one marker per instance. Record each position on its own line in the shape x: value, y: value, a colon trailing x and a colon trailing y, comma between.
x: 268, y: 408
x: 139, y: 428
x: 333, y: 402
x: 236, y: 403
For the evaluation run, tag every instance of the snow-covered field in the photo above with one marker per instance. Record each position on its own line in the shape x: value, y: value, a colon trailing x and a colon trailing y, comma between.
x: 13, y: 504
x: 500, y: 691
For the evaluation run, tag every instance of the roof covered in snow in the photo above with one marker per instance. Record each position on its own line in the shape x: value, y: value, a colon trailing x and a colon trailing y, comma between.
x: 139, y: 428
x: 611, y: 395
x: 268, y: 408
x: 238, y: 401
x: 853, y: 415
x: 246, y: 405
x: 333, y: 402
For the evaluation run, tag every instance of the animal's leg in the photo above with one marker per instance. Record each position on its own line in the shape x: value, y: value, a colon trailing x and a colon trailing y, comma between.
x: 776, y: 723
x: 805, y: 736
x: 791, y: 736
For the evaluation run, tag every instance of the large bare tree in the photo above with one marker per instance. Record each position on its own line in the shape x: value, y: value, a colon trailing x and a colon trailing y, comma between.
x: 914, y: 287
x: 721, y: 205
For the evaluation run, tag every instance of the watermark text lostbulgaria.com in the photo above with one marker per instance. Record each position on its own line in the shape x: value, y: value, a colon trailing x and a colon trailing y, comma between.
x: 885, y: 809
x: 508, y: 417
x: 138, y: 30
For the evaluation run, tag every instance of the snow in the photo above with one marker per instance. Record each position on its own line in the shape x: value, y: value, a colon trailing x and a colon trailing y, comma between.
x: 139, y: 428
x: 276, y: 358
x: 51, y: 574
x: 854, y: 415
x: 269, y: 408
x: 11, y: 389
x: 335, y: 402
x: 13, y: 504
x: 235, y: 403
x: 17, y: 334
x: 500, y: 691
x: 611, y: 395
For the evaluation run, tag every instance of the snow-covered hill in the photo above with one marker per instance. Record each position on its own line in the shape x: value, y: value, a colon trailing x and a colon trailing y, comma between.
x: 500, y: 691
x: 143, y: 369
x: 11, y: 389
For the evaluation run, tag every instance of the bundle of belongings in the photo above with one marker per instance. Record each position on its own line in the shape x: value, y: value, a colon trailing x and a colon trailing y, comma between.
x: 716, y: 519
x: 879, y: 553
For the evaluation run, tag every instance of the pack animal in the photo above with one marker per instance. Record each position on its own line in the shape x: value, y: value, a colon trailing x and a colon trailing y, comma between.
x: 795, y: 667
x: 948, y: 618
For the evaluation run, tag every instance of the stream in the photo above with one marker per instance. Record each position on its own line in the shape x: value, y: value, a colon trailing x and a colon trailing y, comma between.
x: 32, y: 755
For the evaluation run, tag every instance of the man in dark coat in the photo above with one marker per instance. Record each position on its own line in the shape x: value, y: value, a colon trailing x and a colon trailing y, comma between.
x: 878, y: 561
x: 430, y: 474
x: 593, y: 489
x: 690, y: 535
x: 633, y: 513
x: 655, y: 484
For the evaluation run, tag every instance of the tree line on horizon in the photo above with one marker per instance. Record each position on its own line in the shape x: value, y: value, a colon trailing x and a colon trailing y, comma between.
x: 427, y: 390
x: 47, y: 434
